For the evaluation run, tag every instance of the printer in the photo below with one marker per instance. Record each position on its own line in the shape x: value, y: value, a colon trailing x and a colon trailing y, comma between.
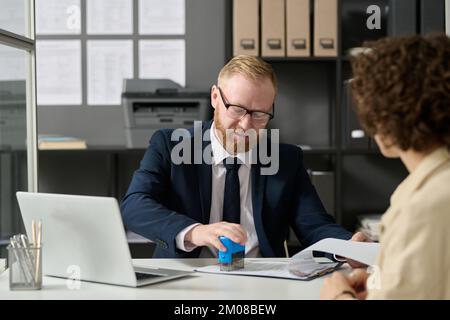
x: 152, y: 104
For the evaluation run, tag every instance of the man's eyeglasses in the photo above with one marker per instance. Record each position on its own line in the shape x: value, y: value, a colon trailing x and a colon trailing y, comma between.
x: 238, y: 112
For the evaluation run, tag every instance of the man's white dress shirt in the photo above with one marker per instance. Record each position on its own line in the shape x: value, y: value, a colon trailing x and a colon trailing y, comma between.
x: 218, y: 186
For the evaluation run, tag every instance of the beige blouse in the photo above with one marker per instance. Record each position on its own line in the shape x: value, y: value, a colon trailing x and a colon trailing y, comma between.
x: 414, y: 257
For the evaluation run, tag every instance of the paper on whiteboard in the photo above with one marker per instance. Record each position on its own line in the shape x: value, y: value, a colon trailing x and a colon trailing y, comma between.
x: 162, y: 17
x: 109, y: 17
x: 58, y: 17
x: 58, y: 72
x: 162, y: 59
x: 109, y: 62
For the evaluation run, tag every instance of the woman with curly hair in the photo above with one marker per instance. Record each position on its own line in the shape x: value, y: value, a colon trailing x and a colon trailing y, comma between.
x: 401, y: 89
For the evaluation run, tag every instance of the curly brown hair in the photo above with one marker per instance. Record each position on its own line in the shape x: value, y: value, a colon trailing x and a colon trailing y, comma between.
x: 401, y: 88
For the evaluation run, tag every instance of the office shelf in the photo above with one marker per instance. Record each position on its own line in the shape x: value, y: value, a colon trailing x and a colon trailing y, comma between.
x: 311, y: 112
x: 95, y: 149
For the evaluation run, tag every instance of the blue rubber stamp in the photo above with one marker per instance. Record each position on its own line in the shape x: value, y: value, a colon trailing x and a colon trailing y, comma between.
x: 233, y: 258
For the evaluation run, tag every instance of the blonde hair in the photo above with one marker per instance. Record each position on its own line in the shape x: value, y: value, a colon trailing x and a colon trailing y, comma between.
x: 252, y: 67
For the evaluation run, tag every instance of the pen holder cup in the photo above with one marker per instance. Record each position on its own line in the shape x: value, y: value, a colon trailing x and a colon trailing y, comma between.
x: 25, y: 268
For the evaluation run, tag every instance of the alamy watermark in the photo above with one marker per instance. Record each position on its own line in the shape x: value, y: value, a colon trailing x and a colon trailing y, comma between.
x: 73, y: 281
x: 252, y: 144
x: 374, y: 20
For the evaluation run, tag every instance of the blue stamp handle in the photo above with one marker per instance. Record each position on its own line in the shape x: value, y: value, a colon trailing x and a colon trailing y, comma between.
x: 232, y: 248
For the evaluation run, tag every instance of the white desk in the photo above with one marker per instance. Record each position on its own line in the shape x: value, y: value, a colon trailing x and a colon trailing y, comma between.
x: 199, y: 286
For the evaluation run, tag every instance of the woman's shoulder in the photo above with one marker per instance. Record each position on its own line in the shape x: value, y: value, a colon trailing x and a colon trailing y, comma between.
x: 433, y: 197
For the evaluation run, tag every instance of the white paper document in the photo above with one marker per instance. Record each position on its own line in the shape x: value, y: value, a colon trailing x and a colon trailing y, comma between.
x: 163, y: 59
x: 162, y: 17
x: 109, y: 16
x: 303, y: 266
x: 364, y: 252
x: 258, y: 268
x: 58, y: 72
x: 109, y: 62
x: 58, y: 17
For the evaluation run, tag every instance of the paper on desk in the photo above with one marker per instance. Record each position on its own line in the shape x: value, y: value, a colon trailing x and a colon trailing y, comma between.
x: 272, y: 269
x: 256, y: 268
x: 303, y: 262
x: 303, y: 266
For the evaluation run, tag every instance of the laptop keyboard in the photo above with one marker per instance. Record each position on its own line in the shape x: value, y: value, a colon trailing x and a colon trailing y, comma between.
x: 143, y: 276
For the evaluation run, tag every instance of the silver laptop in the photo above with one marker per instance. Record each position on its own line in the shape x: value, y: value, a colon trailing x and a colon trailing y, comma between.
x: 86, y: 233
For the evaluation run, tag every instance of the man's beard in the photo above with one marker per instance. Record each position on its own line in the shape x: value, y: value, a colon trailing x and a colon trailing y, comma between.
x: 229, y: 143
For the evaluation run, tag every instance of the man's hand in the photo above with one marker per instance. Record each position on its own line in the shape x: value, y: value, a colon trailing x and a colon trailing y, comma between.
x: 359, y: 237
x: 208, y: 235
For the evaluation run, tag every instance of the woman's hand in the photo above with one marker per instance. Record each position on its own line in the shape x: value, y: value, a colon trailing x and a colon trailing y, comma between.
x: 337, y: 287
x: 358, y: 280
x: 359, y: 237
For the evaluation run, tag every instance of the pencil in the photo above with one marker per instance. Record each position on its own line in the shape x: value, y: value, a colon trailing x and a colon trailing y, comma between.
x: 38, y: 252
x: 33, y: 231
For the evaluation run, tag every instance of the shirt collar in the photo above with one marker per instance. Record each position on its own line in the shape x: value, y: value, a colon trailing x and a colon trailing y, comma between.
x: 219, y: 152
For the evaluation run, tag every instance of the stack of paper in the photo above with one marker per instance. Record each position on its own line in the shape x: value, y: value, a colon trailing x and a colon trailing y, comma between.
x: 57, y: 142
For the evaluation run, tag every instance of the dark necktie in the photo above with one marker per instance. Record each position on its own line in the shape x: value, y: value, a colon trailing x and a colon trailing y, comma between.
x: 232, y: 195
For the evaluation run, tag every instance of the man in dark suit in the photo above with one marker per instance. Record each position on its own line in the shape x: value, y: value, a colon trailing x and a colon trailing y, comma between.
x: 184, y: 206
